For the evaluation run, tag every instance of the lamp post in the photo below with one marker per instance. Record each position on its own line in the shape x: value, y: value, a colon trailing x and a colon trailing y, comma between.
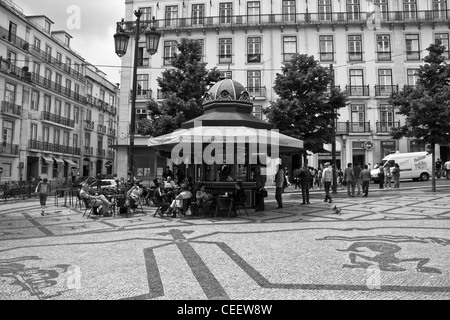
x: 121, y: 39
x: 333, y: 142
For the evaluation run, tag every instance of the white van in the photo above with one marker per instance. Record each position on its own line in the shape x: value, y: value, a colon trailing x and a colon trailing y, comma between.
x: 413, y: 165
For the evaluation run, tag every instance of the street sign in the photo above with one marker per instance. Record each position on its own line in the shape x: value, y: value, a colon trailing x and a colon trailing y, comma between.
x: 368, y: 145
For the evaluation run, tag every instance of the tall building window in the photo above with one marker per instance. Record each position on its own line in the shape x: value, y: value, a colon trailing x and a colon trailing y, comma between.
x: 37, y: 44
x: 253, y: 12
x: 68, y: 65
x: 353, y: 9
x: 440, y: 9
x: 358, y: 118
x: 170, y: 49
x: 33, y: 132
x: 48, y: 53
x: 384, y: 47
x: 171, y: 16
x: 76, y: 91
x: 48, y: 77
x: 142, y: 60
x: 357, y: 83
x: 254, y: 83
x: 87, y: 139
x: 326, y: 48
x: 68, y: 87
x: 412, y: 47
x: 384, y: 82
x: 76, y: 114
x: 355, y: 48
x: 411, y: 77
x: 325, y: 10
x: 75, y: 141
x: 386, y: 114
x: 225, y: 12
x: 47, y: 26
x: 58, y: 107
x: 384, y: 8
x: 289, y: 11
x: 34, y: 100
x: 289, y: 47
x: 88, y: 115
x: 198, y: 14
x: 142, y: 84
x: 7, y: 132
x: 409, y: 9
x: 46, y: 135
x: 254, y: 49
x: 89, y: 89
x: 56, y: 137
x: 201, y: 43
x: 12, y: 57
x: 102, y: 95
x: 443, y: 37
x: 67, y: 110
x: 146, y: 14
x: 36, y: 70
x: 12, y: 32
x: 10, y: 93
x: 58, y: 82
x: 225, y: 50
x: 66, y: 139
x: 47, y: 103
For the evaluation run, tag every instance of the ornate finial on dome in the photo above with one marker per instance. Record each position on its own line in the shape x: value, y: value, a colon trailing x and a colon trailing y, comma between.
x: 245, y: 97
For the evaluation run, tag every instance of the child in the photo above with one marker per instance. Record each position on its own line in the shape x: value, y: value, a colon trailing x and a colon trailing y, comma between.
x: 43, y: 188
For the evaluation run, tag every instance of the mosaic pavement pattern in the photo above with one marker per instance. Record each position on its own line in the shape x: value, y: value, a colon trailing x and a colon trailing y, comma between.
x: 392, y: 246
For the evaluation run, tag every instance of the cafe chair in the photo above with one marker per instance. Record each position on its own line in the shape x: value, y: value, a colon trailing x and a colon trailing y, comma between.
x: 88, y: 207
x: 78, y: 201
x: 158, y: 207
x: 240, y: 204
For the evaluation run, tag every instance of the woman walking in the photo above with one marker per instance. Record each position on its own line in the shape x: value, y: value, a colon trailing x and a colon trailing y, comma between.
x: 396, y: 175
x: 43, y: 188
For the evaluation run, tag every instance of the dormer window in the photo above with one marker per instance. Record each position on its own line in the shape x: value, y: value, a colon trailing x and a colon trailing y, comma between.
x: 47, y: 26
x: 67, y: 41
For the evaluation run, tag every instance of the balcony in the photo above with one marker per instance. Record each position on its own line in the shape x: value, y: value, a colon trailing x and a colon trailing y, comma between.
x: 257, y: 92
x: 13, y: 39
x: 359, y: 91
x: 47, y: 116
x: 10, y: 109
x: 88, y: 150
x: 295, y: 19
x: 352, y: 127
x: 101, y: 152
x: 386, y: 127
x: 112, y: 132
x: 88, y: 125
x: 101, y: 128
x: 52, y: 147
x: 143, y: 94
x: 162, y: 95
x: 9, y: 149
x: 385, y: 90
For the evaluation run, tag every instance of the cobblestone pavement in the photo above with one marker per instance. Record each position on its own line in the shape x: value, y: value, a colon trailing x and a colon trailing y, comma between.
x: 394, y: 244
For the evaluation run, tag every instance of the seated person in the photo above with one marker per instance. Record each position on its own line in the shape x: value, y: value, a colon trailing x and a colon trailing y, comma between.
x: 236, y: 197
x: 178, y: 201
x: 94, y: 201
x: 158, y: 198
x: 169, y: 183
x: 170, y: 189
x: 204, y: 199
x: 134, y: 194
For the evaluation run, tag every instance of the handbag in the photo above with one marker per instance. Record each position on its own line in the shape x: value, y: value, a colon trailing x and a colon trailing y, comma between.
x: 263, y: 192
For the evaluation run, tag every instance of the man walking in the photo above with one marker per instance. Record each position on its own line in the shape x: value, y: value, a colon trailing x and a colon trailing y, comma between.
x: 305, y: 181
x: 438, y: 168
x: 279, y: 185
x: 327, y: 179
x: 365, y: 180
x: 43, y: 188
x: 349, y: 178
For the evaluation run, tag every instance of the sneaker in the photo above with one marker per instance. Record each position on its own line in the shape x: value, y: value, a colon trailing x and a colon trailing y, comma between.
x: 331, y: 200
x: 42, y: 213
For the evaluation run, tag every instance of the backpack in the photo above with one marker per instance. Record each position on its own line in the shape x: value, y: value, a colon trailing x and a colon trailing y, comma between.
x: 43, y: 188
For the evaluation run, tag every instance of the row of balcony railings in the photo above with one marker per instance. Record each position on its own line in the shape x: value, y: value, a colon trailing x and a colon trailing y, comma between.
x: 364, y: 127
x: 10, y: 108
x: 300, y: 18
x: 9, y: 149
x: 48, y: 116
x: 99, y: 152
x: 52, y: 147
x: 100, y: 104
x: 38, y: 53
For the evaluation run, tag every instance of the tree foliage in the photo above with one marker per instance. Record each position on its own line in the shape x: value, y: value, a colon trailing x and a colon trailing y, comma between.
x: 304, y: 109
x: 184, y: 86
x: 426, y: 106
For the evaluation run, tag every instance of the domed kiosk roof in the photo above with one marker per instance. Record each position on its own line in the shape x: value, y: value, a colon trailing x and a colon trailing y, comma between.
x: 227, y: 90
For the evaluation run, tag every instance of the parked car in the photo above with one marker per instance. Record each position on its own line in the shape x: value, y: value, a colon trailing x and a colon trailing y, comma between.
x: 413, y: 165
x: 106, y: 185
x: 77, y: 184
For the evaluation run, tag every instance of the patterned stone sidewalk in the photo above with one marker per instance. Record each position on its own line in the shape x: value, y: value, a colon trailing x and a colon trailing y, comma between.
x: 391, y: 246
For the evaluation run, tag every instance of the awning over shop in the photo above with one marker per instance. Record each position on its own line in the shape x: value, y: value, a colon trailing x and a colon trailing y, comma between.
x: 59, y: 160
x: 47, y: 159
x: 73, y: 164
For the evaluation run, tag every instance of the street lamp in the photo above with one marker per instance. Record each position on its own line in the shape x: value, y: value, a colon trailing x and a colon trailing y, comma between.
x: 333, y: 142
x: 121, y: 39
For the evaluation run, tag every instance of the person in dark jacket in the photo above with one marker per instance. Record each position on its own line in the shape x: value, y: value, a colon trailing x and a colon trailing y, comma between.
x: 260, y: 180
x: 236, y: 197
x: 279, y: 185
x: 305, y: 178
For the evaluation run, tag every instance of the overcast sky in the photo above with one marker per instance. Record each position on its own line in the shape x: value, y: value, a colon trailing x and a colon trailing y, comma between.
x: 91, y: 23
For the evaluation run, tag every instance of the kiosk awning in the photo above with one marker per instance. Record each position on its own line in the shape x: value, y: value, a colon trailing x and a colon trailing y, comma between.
x: 73, y: 164
x: 47, y: 159
x: 59, y: 160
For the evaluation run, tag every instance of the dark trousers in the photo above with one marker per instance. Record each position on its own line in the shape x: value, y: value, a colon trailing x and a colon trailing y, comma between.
x: 278, y: 193
x: 327, y: 186
x: 259, y: 200
x: 365, y: 187
x: 381, y: 182
x: 305, y: 193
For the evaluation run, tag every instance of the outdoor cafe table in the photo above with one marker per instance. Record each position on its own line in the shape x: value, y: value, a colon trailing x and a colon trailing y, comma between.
x: 223, y: 202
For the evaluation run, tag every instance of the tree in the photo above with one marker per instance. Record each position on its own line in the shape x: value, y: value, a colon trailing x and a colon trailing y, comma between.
x: 306, y: 105
x: 184, y: 86
x: 426, y: 106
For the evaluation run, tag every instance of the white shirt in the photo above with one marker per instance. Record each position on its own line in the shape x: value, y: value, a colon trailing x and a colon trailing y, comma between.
x: 447, y: 165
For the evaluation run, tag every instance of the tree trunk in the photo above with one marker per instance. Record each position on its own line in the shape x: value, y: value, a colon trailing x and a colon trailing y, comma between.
x: 433, y: 168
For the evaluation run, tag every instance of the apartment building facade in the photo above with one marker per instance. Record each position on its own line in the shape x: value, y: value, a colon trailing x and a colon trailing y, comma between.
x: 58, y: 113
x: 375, y: 48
